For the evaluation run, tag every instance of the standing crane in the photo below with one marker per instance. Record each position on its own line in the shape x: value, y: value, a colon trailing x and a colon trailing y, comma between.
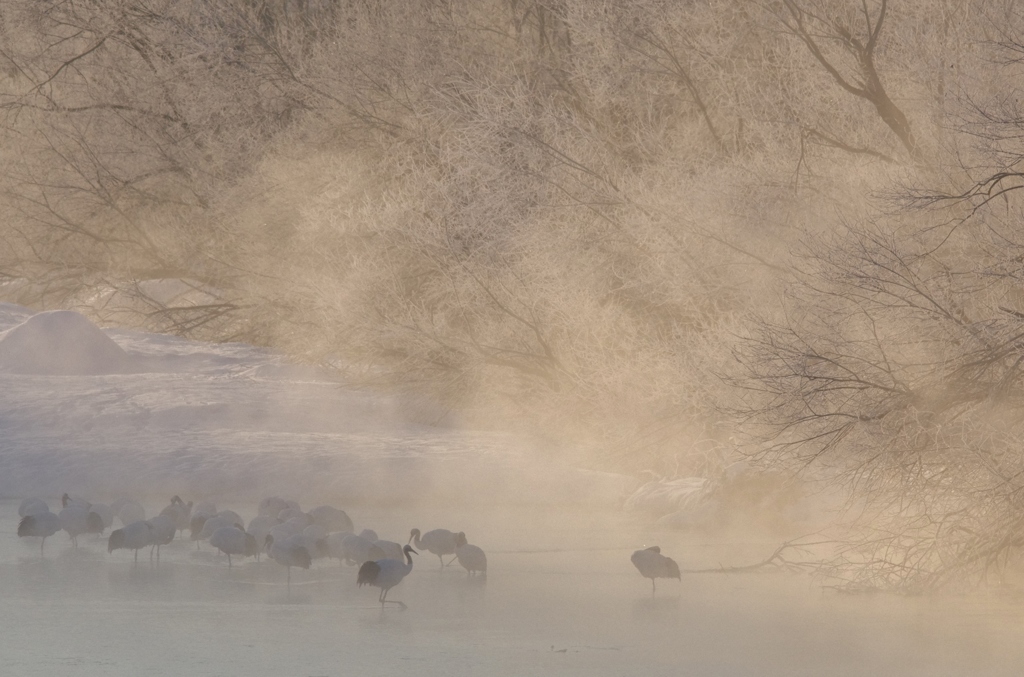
x: 43, y: 524
x: 386, y: 574
x: 134, y: 536
x: 289, y: 551
x: 32, y: 506
x: 77, y: 520
x: 181, y: 512
x: 472, y: 558
x: 652, y: 564
x: 233, y: 541
x: 438, y: 541
x: 162, y: 530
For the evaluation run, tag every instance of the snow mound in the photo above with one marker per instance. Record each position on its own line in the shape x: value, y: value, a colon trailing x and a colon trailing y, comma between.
x: 235, y: 422
x: 60, y: 342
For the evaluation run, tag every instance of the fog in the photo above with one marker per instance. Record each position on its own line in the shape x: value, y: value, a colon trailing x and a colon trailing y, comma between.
x: 234, y: 424
x: 579, y: 278
x: 560, y: 597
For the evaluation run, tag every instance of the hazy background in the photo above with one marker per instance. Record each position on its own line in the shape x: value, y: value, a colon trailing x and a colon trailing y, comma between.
x: 657, y: 236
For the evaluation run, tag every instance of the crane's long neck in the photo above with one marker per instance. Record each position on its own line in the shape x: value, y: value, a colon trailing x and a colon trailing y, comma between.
x: 408, y: 562
x: 416, y: 542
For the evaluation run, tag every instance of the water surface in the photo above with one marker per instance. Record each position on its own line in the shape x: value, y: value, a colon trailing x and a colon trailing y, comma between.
x: 561, y: 598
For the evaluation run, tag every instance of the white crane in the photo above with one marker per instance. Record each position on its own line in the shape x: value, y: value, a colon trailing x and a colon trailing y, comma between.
x: 315, y: 539
x: 79, y: 516
x: 272, y: 505
x: 288, y: 551
x: 32, y: 506
x: 180, y: 511
x: 163, y: 528
x: 335, y: 547
x: 216, y: 522
x: 331, y: 518
x: 296, y: 523
x: 233, y: 516
x: 652, y: 564
x: 43, y: 524
x: 202, y: 512
x: 438, y: 541
x: 390, y: 549
x: 295, y: 516
x: 386, y: 574
x: 105, y: 512
x: 259, y: 528
x: 352, y: 548
x: 128, y: 511
x: 134, y: 536
x: 77, y: 520
x: 233, y: 541
x: 77, y: 501
x: 472, y: 558
x: 285, y: 530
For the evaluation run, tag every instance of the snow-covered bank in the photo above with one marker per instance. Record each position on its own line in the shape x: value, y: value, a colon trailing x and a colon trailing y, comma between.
x: 171, y: 416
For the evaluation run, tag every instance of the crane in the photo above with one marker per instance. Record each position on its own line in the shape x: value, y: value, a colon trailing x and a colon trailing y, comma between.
x: 289, y: 551
x: 652, y: 564
x: 233, y: 541
x: 472, y: 558
x: 386, y: 574
x: 134, y: 536
x: 43, y: 524
x: 438, y: 541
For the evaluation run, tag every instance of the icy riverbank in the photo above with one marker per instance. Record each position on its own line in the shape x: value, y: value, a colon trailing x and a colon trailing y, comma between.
x: 235, y: 421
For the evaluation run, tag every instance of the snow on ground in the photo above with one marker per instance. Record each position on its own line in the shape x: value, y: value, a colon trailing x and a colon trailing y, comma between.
x: 118, y: 412
x: 60, y: 343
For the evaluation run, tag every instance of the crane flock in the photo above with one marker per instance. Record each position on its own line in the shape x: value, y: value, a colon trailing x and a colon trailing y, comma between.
x: 284, y: 532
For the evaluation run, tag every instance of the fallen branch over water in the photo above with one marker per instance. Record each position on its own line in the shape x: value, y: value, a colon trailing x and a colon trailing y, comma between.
x: 777, y: 559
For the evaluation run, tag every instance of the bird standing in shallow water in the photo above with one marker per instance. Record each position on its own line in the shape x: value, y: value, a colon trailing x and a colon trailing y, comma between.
x: 438, y: 541
x: 471, y: 557
x: 652, y: 564
x: 43, y: 524
x: 386, y: 574
x: 77, y: 520
x: 181, y: 512
x: 135, y: 536
x: 233, y: 541
x: 202, y: 512
x: 289, y: 551
x: 162, y: 529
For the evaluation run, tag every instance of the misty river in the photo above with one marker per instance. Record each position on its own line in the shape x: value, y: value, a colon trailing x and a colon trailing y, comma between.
x: 560, y: 598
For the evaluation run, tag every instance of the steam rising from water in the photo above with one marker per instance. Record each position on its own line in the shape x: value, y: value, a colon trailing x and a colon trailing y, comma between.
x: 232, y: 421
x: 561, y: 596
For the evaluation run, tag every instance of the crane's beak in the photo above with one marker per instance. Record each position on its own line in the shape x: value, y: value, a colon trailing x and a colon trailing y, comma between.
x: 413, y: 551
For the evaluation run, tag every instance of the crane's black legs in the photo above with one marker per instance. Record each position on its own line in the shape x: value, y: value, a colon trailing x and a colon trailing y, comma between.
x: 383, y: 599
